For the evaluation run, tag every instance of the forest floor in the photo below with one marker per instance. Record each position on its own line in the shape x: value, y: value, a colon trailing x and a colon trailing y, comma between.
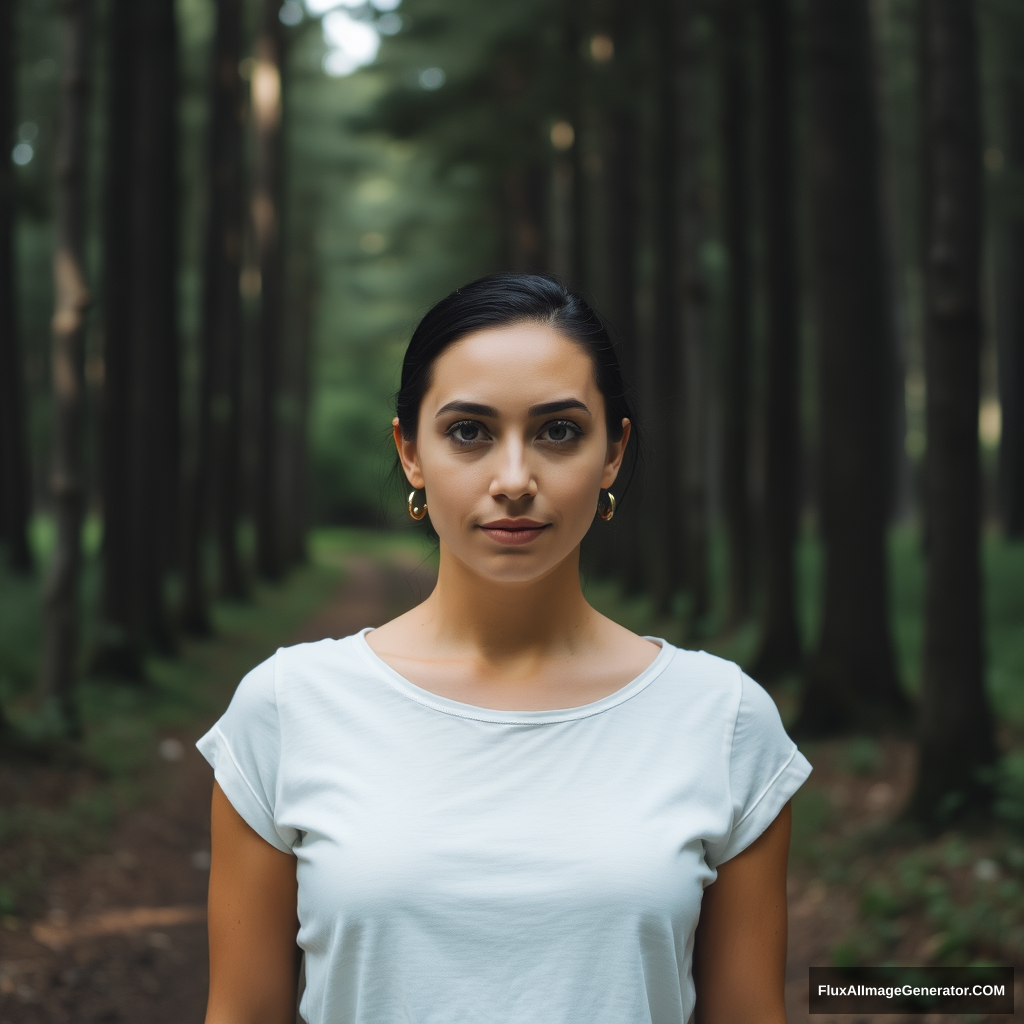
x: 124, y: 938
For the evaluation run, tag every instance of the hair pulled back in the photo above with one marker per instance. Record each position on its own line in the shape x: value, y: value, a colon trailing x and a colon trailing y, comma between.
x: 501, y: 300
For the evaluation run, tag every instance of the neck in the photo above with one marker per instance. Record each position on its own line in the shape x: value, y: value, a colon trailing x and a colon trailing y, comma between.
x: 508, y: 620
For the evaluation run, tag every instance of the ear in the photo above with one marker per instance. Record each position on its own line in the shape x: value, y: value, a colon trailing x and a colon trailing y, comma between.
x: 616, y: 452
x: 408, y: 456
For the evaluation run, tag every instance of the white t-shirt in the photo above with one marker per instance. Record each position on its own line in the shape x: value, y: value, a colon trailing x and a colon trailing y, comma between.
x: 458, y: 864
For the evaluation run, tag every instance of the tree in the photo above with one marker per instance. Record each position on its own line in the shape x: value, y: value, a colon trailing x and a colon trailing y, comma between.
x: 15, y: 486
x: 61, y: 615
x: 694, y: 363
x: 1011, y: 327
x: 780, y: 647
x: 735, y: 126
x: 613, y: 50
x: 267, y: 212
x: 956, y: 741
x: 658, y: 361
x: 155, y: 315
x: 118, y: 651
x: 220, y: 325
x: 851, y: 680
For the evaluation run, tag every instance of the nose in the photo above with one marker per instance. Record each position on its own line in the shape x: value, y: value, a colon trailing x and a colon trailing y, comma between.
x: 513, y: 478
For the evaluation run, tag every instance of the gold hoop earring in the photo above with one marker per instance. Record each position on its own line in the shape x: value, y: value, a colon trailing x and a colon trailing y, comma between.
x: 605, y: 514
x: 417, y: 512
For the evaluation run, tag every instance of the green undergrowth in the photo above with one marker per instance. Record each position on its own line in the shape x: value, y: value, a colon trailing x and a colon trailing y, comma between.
x: 953, y: 899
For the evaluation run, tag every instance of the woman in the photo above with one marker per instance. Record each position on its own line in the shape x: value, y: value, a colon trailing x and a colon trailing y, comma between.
x: 502, y: 806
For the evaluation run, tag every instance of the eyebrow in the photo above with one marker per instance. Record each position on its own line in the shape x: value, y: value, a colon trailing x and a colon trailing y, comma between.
x: 544, y: 409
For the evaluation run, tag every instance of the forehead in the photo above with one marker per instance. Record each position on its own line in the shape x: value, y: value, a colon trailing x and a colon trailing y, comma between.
x: 521, y: 361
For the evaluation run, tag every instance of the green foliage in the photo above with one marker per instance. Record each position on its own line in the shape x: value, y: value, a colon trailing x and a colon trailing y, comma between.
x: 969, y: 894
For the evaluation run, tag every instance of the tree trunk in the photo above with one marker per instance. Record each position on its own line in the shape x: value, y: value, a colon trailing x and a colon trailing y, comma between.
x: 118, y: 646
x: 155, y: 463
x: 659, y: 360
x: 736, y: 390
x: 1011, y: 381
x: 523, y: 207
x: 15, y: 482
x: 268, y: 109
x: 780, y: 649
x: 295, y: 471
x: 220, y: 311
x: 1011, y: 328
x: 956, y: 741
x: 61, y: 612
x: 852, y: 681
x: 692, y: 297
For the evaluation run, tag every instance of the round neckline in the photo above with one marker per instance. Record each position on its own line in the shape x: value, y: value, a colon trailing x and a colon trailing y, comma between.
x: 499, y: 716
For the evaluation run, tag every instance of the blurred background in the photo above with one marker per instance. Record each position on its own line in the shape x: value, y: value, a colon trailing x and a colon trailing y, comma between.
x: 220, y: 221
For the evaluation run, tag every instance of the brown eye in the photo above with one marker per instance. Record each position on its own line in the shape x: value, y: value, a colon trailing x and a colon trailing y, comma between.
x: 465, y: 432
x: 561, y: 432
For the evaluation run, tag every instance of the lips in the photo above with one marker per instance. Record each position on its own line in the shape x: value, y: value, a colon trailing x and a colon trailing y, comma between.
x: 514, y: 531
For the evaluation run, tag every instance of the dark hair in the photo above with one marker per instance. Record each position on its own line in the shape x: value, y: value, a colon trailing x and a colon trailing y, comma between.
x: 501, y: 300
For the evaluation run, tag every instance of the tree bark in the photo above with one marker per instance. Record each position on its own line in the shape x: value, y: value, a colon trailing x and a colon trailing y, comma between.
x: 618, y: 181
x: 118, y: 649
x: 268, y: 109
x: 956, y: 740
x: 220, y: 311
x: 851, y: 681
x: 1011, y: 328
x: 659, y: 356
x: 15, y: 480
x: 61, y: 612
x: 736, y: 385
x: 694, y: 361
x: 523, y: 207
x: 155, y: 319
x: 295, y: 471
x: 780, y: 646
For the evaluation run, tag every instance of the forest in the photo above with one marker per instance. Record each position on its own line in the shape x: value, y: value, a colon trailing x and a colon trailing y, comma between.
x: 803, y: 221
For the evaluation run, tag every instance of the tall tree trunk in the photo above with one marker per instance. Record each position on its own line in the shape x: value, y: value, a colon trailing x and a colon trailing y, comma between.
x: 956, y: 741
x: 692, y: 296
x: 780, y: 649
x: 118, y: 648
x: 736, y: 384
x: 295, y: 469
x: 619, y: 140
x: 851, y: 681
x: 15, y: 485
x: 155, y: 462
x: 61, y: 612
x: 659, y: 357
x: 221, y: 313
x: 1011, y: 328
x: 578, y: 88
x: 523, y: 208
x: 267, y: 211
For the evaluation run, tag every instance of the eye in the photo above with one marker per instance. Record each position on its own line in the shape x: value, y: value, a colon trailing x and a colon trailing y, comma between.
x: 466, y: 432
x: 561, y: 432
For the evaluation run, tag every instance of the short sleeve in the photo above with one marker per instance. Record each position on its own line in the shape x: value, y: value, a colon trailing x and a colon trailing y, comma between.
x: 244, y: 749
x: 765, y: 770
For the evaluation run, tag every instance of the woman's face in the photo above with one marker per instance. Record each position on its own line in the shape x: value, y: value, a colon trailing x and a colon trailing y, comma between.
x: 512, y: 449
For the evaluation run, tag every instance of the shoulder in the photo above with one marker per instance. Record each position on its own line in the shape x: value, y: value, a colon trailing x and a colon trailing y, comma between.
x: 723, y: 690
x: 292, y: 669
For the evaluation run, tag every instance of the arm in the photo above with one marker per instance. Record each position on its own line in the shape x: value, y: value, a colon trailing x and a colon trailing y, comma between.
x: 252, y: 923
x: 740, y: 952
